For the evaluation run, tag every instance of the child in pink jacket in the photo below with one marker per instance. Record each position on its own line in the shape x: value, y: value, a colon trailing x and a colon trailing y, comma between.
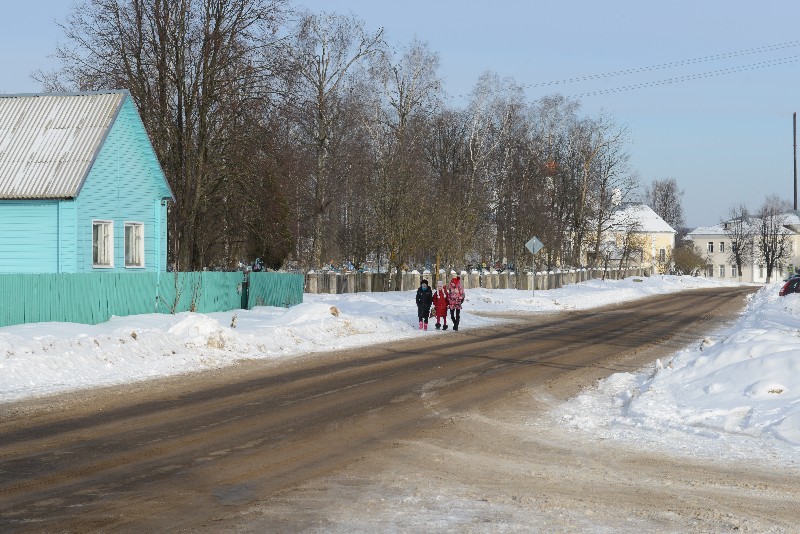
x: 455, y: 296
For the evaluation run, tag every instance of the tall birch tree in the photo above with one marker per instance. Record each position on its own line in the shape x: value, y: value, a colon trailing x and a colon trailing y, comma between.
x: 327, y: 51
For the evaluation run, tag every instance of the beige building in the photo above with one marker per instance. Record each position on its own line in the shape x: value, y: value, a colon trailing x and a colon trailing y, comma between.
x: 713, y: 242
x: 637, y: 236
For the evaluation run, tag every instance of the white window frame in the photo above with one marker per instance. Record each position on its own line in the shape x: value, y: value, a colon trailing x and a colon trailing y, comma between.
x: 722, y: 270
x: 710, y: 246
x: 102, y: 253
x: 722, y: 246
x: 662, y: 255
x: 137, y: 262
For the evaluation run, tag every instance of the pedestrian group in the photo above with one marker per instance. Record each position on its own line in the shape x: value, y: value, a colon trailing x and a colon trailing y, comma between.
x: 443, y: 299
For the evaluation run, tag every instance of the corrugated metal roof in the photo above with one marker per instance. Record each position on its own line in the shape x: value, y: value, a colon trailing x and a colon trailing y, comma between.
x: 48, y: 142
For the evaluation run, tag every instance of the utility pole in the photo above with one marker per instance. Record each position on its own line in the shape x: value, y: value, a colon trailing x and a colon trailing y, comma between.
x: 794, y: 130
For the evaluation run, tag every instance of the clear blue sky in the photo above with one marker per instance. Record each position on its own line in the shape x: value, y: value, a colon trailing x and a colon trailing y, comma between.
x: 726, y: 139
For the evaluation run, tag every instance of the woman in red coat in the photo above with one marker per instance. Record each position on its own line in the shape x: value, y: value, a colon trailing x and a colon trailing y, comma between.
x: 440, y: 302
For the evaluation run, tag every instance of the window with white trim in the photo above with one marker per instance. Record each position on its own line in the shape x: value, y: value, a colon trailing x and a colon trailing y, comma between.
x: 722, y: 246
x: 733, y: 271
x: 722, y: 270
x: 711, y: 246
x: 102, y: 243
x: 662, y: 255
x: 134, y: 244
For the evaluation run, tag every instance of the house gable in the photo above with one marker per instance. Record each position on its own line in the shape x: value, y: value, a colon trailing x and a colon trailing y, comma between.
x: 653, y: 234
x: 124, y: 185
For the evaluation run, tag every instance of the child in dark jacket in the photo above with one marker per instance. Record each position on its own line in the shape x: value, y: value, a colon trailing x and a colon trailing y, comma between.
x: 440, y: 302
x: 424, y: 301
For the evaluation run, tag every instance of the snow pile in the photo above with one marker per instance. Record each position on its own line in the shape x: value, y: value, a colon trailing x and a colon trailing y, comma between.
x: 736, y: 392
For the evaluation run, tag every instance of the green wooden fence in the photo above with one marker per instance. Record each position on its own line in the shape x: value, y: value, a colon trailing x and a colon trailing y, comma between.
x: 275, y: 289
x: 93, y: 298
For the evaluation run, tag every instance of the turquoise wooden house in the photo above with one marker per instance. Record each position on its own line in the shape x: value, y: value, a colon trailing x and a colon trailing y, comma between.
x: 81, y: 189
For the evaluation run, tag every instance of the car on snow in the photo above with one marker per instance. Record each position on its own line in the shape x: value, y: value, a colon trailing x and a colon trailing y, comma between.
x: 792, y: 285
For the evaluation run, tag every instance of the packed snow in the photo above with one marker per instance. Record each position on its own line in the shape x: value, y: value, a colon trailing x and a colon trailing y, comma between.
x: 735, y: 392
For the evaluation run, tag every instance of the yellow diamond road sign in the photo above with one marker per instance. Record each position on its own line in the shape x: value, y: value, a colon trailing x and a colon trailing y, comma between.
x: 534, y: 245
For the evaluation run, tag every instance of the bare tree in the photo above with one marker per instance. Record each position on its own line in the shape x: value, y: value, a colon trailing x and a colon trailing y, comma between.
x: 592, y: 140
x: 664, y: 197
x: 686, y: 258
x: 491, y: 115
x: 612, y: 184
x: 633, y: 244
x: 739, y: 229
x: 326, y: 53
x: 189, y: 65
x: 550, y: 205
x: 772, y: 240
x: 445, y: 149
x: 630, y: 239
x: 411, y: 95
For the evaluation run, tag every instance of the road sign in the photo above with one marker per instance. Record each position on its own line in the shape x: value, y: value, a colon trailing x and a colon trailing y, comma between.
x: 534, y: 245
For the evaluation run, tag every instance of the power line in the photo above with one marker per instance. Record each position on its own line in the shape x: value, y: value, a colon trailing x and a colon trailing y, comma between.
x: 705, y: 59
x: 678, y: 79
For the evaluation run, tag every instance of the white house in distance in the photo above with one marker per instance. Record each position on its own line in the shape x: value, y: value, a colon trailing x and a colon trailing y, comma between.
x: 713, y: 241
x: 654, y: 238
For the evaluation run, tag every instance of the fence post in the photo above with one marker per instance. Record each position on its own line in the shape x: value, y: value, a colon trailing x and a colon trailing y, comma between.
x: 474, y: 279
x: 332, y: 283
x: 311, y: 282
x: 502, y: 279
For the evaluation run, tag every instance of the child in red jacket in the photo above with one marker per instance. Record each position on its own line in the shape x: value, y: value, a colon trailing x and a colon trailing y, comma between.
x: 440, y: 302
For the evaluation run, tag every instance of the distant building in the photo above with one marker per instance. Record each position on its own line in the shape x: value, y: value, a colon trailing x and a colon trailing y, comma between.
x: 714, y: 243
x: 81, y: 189
x: 637, y: 236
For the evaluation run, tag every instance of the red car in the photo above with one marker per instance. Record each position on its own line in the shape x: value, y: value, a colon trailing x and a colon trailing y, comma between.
x: 792, y: 285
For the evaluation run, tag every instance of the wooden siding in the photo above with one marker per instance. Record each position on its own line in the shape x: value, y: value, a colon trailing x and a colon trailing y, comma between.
x: 122, y: 186
x: 28, y: 236
x: 67, y: 237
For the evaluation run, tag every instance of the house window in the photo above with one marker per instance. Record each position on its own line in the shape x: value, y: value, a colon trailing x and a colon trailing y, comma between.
x: 711, y: 246
x: 662, y: 255
x: 102, y: 243
x: 761, y: 271
x: 733, y: 271
x: 710, y: 271
x: 722, y: 271
x: 134, y: 244
x: 722, y: 246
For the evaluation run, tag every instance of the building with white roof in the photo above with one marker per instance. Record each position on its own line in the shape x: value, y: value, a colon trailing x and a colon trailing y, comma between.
x: 638, y: 235
x: 714, y: 243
